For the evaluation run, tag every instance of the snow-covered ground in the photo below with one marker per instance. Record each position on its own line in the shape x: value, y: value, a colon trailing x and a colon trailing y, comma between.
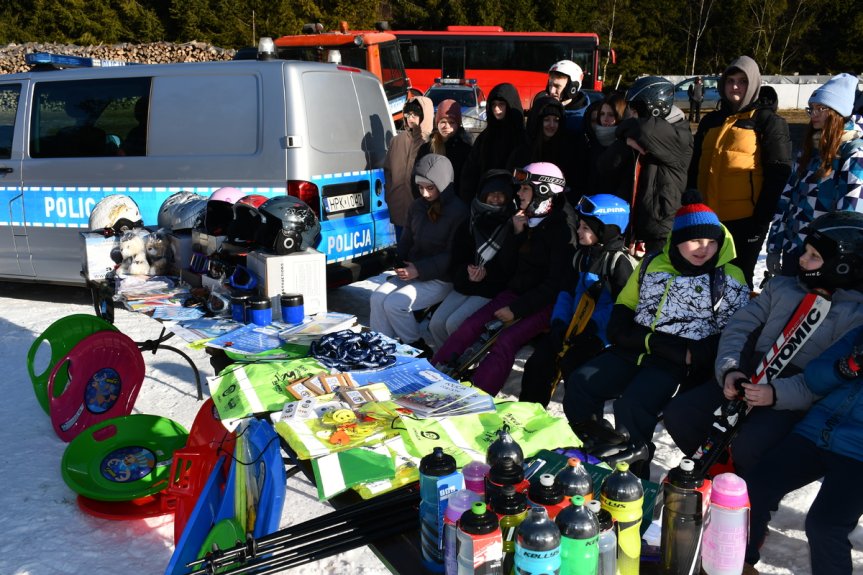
x: 46, y: 533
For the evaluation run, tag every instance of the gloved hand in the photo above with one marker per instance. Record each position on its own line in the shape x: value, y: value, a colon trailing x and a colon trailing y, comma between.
x: 774, y: 264
x: 852, y: 366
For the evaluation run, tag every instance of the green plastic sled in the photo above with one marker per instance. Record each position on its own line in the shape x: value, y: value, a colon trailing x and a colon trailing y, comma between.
x: 61, y: 336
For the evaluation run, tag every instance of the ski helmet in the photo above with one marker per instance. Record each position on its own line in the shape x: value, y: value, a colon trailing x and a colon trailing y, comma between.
x: 290, y: 225
x: 117, y: 212
x: 220, y: 210
x: 607, y: 209
x: 651, y: 96
x: 838, y: 237
x: 247, y: 219
x: 546, y: 180
x: 182, y: 211
x: 572, y: 71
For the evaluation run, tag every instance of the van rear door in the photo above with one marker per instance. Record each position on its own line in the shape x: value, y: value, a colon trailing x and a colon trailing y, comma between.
x: 15, y: 259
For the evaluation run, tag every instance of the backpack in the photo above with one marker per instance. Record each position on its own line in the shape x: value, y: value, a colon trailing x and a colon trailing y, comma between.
x: 609, y: 265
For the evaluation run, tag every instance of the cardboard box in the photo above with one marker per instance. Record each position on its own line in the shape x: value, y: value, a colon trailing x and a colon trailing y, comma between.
x: 302, y: 272
x: 96, y: 254
x: 206, y: 244
x: 181, y: 245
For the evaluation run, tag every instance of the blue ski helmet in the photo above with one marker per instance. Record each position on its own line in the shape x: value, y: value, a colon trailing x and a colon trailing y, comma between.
x: 607, y: 208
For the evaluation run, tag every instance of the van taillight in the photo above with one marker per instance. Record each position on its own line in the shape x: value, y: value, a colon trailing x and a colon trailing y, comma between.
x: 307, y: 192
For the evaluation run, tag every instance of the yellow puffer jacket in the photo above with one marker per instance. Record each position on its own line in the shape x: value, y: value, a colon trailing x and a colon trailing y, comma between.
x: 730, y: 178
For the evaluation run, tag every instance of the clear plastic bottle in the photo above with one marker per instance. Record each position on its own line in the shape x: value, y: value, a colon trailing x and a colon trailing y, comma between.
x: 725, y: 532
x: 457, y: 504
x: 511, y: 508
x: 579, y: 538
x: 607, y: 539
x: 480, y: 550
x: 439, y: 479
x: 537, y: 545
x: 622, y: 495
x: 685, y: 493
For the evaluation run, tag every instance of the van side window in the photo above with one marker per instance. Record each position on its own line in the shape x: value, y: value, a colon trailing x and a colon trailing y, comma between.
x: 9, y: 96
x: 86, y: 118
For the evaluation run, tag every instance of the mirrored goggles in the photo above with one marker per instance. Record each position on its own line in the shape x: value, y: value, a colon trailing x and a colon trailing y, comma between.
x: 520, y: 176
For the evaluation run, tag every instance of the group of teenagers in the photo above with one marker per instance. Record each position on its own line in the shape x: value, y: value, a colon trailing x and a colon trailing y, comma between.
x: 626, y: 260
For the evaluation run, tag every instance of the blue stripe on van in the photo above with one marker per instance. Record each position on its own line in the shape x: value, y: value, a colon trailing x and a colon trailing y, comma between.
x: 70, y: 206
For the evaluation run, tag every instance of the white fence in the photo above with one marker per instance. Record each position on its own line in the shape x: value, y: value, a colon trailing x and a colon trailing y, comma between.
x: 793, y: 91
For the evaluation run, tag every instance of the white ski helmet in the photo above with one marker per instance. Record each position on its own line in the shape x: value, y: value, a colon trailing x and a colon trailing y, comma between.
x: 182, y: 211
x: 572, y: 71
x: 546, y: 180
x: 118, y: 212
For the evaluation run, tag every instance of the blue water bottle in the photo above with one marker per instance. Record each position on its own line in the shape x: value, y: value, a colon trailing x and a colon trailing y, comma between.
x: 439, y: 479
x: 537, y: 545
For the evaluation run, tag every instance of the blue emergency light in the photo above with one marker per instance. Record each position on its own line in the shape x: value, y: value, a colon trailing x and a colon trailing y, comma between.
x: 58, y: 61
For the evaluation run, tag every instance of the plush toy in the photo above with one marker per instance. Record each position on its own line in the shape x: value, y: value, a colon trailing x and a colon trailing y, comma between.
x: 158, y: 247
x: 134, y: 253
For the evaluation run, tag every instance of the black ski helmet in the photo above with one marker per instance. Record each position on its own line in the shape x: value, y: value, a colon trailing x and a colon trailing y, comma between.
x: 838, y: 237
x: 651, y: 96
x: 241, y: 230
x: 289, y: 225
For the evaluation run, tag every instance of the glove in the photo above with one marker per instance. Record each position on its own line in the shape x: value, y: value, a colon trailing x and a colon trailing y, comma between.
x: 851, y: 366
x: 774, y: 264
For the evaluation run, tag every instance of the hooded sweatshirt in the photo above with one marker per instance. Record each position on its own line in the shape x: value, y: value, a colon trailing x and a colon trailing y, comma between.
x: 492, y: 146
x: 742, y: 154
x: 399, y: 164
x: 559, y: 150
x: 427, y: 241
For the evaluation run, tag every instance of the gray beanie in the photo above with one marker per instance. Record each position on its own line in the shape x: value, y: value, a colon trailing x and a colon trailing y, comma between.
x: 434, y: 169
x: 837, y: 94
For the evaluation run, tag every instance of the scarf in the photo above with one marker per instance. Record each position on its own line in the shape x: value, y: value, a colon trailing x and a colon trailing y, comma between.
x: 488, y: 243
x: 604, y: 135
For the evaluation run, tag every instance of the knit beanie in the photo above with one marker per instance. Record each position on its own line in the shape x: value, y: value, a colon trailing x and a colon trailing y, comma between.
x: 694, y: 220
x: 450, y: 109
x: 415, y: 107
x: 837, y: 94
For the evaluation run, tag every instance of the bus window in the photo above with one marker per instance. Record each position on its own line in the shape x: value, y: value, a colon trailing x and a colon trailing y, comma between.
x: 9, y: 96
x: 85, y: 118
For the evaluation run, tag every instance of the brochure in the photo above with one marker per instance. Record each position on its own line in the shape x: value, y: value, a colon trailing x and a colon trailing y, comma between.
x: 248, y: 339
x: 320, y: 324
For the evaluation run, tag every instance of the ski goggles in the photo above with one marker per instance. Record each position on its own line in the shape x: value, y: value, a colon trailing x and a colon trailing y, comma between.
x: 539, y: 182
x: 243, y: 279
x: 218, y: 303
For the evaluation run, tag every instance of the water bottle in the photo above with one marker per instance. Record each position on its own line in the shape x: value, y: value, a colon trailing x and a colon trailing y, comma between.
x: 504, y: 471
x: 511, y: 508
x: 439, y: 479
x: 579, y: 539
x: 504, y: 446
x: 480, y: 550
x: 607, y: 539
x: 622, y: 495
x: 575, y: 480
x: 474, y: 476
x: 724, y: 542
x: 537, y: 545
x: 457, y: 504
x: 547, y: 493
x: 686, y: 495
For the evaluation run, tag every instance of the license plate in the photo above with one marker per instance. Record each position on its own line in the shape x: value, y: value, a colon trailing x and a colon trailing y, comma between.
x: 344, y: 202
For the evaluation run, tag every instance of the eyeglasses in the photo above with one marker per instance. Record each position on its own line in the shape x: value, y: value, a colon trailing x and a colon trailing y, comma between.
x: 411, y: 115
x: 520, y: 176
x: 812, y: 110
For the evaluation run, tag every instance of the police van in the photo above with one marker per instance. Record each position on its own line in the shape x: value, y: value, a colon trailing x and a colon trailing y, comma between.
x: 71, y: 136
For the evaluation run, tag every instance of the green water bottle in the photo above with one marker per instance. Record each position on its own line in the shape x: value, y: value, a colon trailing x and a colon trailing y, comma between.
x: 579, y: 539
x: 511, y: 508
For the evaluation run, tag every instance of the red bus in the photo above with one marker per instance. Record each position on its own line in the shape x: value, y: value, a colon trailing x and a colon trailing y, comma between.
x: 491, y: 56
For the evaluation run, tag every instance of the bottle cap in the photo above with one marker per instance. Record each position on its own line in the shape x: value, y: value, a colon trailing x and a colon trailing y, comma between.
x: 478, y: 520
x: 684, y: 476
x: 260, y: 303
x: 437, y: 463
x: 475, y: 471
x: 508, y: 501
x: 729, y: 490
x: 504, y: 446
x: 291, y: 299
x: 459, y: 502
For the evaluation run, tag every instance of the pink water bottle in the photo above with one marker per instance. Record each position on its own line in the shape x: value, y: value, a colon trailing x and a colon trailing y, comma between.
x: 727, y: 527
